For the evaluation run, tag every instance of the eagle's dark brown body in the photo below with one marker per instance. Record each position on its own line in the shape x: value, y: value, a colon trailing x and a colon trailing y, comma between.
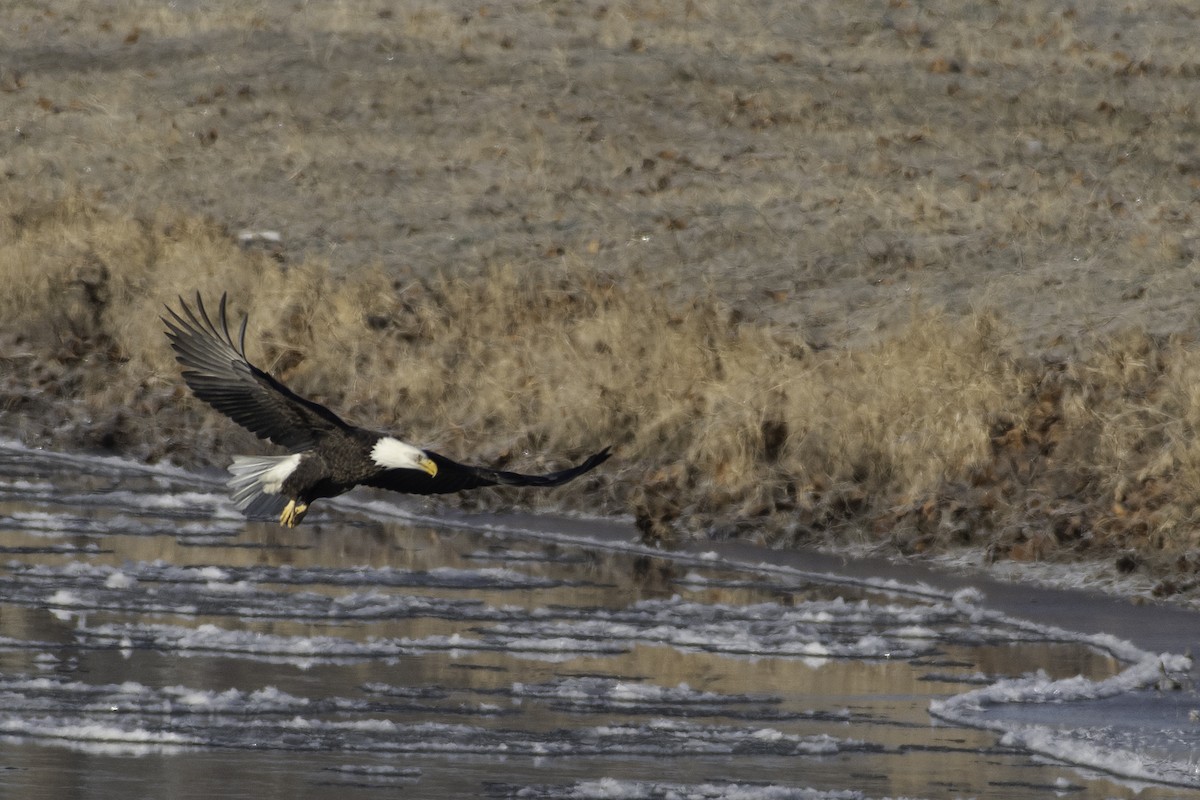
x: 344, y: 459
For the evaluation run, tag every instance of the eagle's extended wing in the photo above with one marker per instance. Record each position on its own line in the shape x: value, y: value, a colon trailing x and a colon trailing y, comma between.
x: 452, y: 476
x: 216, y: 369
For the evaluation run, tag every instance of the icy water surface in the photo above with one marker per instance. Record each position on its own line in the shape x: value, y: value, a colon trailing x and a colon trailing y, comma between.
x: 152, y: 643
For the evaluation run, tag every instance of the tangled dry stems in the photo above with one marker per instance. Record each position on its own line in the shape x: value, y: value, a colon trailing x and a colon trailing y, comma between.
x: 936, y: 436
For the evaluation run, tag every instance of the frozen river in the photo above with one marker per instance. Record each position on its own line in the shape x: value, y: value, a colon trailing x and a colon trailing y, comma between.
x: 152, y: 643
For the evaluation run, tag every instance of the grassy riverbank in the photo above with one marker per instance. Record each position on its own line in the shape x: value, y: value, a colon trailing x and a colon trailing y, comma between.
x: 936, y: 436
x: 905, y: 275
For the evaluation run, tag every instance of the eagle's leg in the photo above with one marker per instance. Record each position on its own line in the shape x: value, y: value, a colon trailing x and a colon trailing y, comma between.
x: 293, y: 512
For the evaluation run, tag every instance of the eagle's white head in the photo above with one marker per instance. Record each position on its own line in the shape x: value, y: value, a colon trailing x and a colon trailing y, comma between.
x: 391, y: 453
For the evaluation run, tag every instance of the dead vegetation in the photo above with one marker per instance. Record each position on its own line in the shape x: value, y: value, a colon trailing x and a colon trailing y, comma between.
x: 934, y: 437
x: 906, y: 274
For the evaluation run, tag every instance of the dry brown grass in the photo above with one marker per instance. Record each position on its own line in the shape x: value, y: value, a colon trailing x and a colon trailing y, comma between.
x: 935, y: 436
x: 918, y: 273
x: 809, y: 165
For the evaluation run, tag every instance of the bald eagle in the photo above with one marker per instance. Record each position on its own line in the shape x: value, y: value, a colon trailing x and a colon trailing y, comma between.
x: 328, y: 455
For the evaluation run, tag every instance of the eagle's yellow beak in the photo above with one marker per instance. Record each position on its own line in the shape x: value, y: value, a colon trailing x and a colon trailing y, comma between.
x: 427, y: 464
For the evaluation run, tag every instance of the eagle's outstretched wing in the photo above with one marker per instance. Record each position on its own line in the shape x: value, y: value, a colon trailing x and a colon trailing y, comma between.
x: 216, y: 369
x: 453, y: 476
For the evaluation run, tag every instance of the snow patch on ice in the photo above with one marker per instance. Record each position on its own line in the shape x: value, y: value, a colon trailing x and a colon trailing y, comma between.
x: 119, y: 580
x: 1105, y: 749
x: 620, y: 789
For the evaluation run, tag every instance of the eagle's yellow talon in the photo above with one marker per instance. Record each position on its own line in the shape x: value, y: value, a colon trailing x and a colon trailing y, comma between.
x: 293, y: 512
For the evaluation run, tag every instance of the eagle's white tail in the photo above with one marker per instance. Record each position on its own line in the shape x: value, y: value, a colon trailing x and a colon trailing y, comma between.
x: 257, y: 481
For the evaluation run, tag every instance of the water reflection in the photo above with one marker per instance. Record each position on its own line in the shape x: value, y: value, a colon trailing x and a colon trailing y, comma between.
x: 152, y: 638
